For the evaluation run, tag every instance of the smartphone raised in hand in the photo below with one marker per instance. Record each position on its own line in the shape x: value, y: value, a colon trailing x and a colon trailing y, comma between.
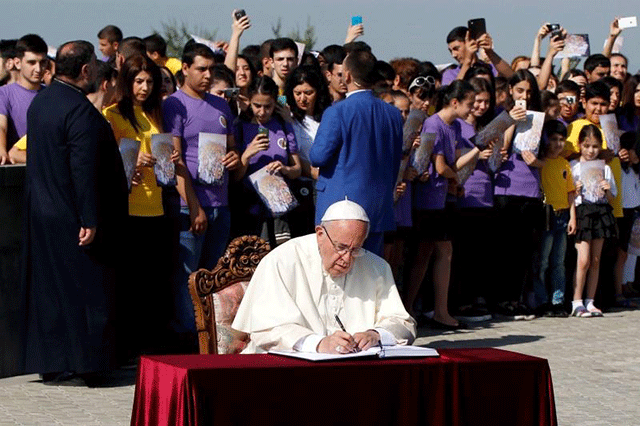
x: 555, y: 30
x: 477, y: 27
x: 231, y: 93
x: 239, y: 14
x: 628, y: 22
x: 521, y: 103
x: 356, y: 20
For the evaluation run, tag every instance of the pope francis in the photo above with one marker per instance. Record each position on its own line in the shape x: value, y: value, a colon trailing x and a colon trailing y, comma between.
x: 324, y: 293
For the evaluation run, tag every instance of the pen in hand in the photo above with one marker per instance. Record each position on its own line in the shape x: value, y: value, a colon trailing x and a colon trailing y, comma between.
x: 345, y: 330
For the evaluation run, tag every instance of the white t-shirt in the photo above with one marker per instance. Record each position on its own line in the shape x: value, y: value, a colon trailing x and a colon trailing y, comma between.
x: 630, y: 189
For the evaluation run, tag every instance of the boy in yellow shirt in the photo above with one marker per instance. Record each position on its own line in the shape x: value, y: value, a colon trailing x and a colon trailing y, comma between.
x: 559, y: 193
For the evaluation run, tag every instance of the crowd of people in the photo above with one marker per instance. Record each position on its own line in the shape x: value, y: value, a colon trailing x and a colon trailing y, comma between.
x: 463, y: 247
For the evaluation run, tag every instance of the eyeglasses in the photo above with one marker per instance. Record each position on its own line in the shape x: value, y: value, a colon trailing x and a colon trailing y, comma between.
x: 342, y: 249
x: 427, y: 81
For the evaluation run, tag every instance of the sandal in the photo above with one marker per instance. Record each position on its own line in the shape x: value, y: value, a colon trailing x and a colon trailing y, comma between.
x: 581, y: 312
x: 595, y: 312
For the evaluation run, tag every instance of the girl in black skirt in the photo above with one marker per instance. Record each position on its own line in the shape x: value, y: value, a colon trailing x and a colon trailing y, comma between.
x: 595, y: 189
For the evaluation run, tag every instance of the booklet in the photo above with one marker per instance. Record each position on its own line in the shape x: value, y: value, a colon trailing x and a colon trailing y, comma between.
x: 494, y: 131
x: 575, y: 46
x: 591, y: 174
x: 397, y: 351
x: 129, y: 149
x: 212, y: 147
x: 422, y: 155
x: 412, y: 128
x: 273, y: 191
x: 528, y: 133
x: 611, y: 132
x: 465, y: 172
x: 161, y: 149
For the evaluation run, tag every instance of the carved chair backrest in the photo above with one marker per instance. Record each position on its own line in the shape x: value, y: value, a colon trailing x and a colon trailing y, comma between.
x: 223, y: 287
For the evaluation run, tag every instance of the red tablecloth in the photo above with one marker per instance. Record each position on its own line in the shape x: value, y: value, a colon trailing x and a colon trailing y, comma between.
x: 461, y: 387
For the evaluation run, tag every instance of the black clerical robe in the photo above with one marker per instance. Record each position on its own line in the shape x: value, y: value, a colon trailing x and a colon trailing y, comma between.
x: 75, y: 178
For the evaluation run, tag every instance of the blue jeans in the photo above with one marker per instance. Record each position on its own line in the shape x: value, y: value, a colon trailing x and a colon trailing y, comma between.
x: 552, y: 250
x: 197, y: 251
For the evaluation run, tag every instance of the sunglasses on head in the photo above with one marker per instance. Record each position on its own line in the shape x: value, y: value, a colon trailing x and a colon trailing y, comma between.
x: 428, y: 82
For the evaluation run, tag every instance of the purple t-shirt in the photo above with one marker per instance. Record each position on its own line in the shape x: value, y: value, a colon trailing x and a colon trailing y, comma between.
x: 186, y: 117
x: 431, y: 195
x: 478, y: 189
x: 449, y: 75
x: 516, y: 178
x: 278, y: 140
x: 626, y: 125
x: 14, y: 103
x: 402, y: 208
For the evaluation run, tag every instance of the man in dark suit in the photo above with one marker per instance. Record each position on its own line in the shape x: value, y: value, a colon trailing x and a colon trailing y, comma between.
x: 358, y: 149
x: 76, y: 202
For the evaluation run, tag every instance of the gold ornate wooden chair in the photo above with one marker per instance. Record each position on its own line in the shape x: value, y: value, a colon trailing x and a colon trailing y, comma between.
x: 217, y: 294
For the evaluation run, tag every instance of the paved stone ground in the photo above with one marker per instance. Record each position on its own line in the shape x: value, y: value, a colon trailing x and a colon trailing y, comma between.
x: 595, y: 366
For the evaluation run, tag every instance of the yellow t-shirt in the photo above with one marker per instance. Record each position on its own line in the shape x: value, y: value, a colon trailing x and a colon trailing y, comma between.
x: 21, y: 144
x: 145, y: 198
x: 557, y: 182
x: 571, y: 146
x: 173, y: 64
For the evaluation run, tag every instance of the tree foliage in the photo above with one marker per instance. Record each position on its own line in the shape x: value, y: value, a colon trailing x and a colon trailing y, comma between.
x: 308, y: 36
x: 177, y: 35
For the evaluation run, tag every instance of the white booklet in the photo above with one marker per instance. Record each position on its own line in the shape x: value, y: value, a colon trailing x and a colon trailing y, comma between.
x: 591, y: 174
x: 212, y: 148
x: 611, y: 131
x: 273, y: 191
x: 422, y: 155
x: 529, y: 132
x: 129, y: 149
x: 465, y: 172
x: 397, y: 351
x: 161, y: 149
x: 575, y: 46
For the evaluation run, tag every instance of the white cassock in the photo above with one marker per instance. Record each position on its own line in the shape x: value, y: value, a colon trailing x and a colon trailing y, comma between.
x: 290, y: 300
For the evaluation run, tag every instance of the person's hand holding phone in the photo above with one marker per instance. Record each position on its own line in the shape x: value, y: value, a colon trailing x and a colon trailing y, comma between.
x: 259, y: 143
x: 355, y: 30
x: 241, y: 21
x: 544, y: 31
x: 485, y: 42
x: 614, y: 28
x: 556, y: 43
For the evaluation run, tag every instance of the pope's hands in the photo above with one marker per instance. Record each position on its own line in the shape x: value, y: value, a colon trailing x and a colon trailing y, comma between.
x: 366, y: 339
x: 339, y: 342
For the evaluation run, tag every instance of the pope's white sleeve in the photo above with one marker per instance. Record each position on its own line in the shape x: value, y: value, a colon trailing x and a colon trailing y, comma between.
x: 308, y: 343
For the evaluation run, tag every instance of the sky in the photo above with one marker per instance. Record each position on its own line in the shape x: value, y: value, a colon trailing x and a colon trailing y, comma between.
x: 394, y: 28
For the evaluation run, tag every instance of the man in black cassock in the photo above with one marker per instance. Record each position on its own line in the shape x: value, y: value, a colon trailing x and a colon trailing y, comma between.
x: 76, y: 203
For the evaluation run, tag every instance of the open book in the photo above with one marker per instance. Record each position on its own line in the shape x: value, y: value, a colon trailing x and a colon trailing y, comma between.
x: 396, y: 351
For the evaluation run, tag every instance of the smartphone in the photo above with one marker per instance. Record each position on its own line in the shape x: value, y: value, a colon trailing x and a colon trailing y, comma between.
x: 522, y: 103
x: 628, y: 22
x: 477, y: 27
x: 231, y: 93
x: 553, y: 27
x: 263, y: 131
x: 356, y: 20
x: 570, y: 100
x: 239, y: 14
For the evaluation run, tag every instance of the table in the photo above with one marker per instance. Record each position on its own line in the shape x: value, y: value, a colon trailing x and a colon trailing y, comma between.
x: 461, y: 387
